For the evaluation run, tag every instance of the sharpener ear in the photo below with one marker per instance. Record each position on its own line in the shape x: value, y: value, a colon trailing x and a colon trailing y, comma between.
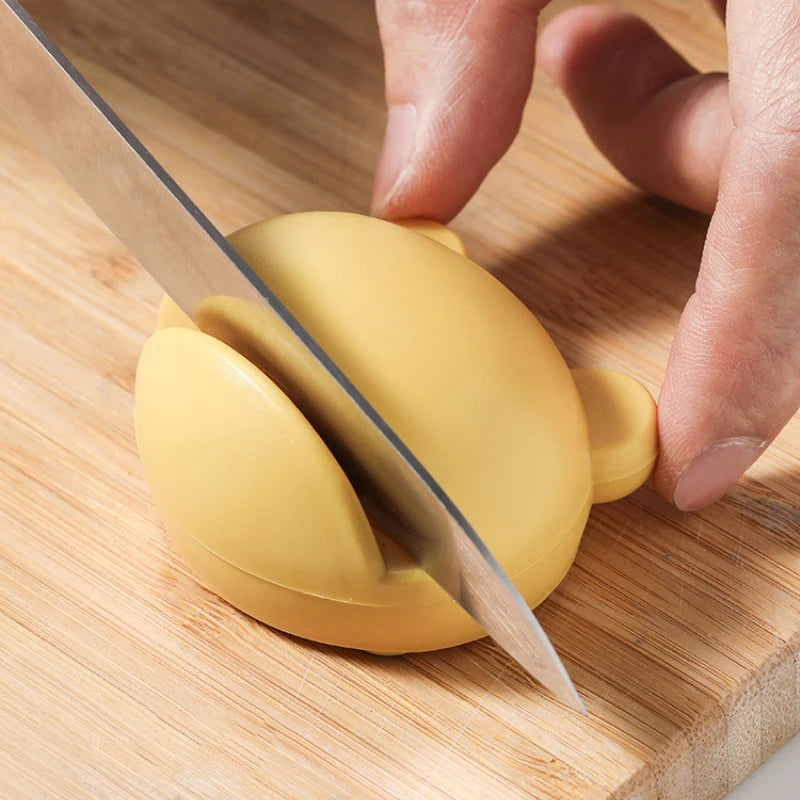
x: 621, y: 415
x: 436, y: 231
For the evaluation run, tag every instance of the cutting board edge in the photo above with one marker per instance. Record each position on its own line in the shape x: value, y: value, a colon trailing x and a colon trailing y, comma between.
x: 726, y: 745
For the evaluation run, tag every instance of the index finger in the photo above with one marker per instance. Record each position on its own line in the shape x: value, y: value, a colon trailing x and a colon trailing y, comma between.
x: 457, y: 78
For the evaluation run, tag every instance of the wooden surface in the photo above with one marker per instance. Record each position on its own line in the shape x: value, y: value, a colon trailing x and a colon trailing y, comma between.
x: 121, y: 678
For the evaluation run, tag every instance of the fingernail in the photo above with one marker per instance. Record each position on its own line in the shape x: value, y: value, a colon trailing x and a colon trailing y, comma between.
x: 398, y: 148
x: 714, y: 471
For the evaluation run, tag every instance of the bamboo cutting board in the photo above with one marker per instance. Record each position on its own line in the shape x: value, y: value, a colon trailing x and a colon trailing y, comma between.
x: 121, y: 678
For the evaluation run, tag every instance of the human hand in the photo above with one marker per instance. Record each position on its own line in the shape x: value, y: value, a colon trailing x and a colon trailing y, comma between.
x: 727, y: 145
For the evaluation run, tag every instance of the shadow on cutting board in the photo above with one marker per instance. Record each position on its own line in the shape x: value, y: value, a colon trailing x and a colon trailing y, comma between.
x: 621, y: 273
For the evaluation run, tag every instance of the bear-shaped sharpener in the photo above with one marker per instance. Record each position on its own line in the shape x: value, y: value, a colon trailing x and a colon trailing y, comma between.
x: 461, y: 370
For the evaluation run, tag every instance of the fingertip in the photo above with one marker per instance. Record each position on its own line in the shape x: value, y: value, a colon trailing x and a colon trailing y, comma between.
x: 397, y: 155
x: 698, y: 464
x: 715, y: 470
x: 466, y: 70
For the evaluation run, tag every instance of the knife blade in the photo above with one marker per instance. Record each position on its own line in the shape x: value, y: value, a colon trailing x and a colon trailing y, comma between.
x: 144, y: 207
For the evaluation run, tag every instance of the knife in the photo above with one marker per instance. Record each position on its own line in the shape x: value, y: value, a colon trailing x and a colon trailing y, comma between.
x: 144, y: 207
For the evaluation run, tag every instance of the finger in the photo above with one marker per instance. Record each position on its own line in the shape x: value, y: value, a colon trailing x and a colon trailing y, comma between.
x: 734, y: 371
x: 457, y: 77
x: 664, y: 126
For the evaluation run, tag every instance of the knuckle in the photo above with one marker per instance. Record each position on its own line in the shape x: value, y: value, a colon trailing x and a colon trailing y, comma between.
x: 761, y: 182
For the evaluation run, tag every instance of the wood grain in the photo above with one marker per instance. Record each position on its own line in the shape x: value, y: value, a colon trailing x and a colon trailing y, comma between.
x: 121, y: 678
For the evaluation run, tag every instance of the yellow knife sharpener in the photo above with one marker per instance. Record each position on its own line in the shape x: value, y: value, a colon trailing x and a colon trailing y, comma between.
x: 260, y: 509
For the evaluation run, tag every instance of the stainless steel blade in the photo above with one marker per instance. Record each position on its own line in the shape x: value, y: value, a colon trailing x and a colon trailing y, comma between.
x: 140, y: 203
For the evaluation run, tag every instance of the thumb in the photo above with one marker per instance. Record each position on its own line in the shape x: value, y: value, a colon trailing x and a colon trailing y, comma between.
x: 736, y: 358
x: 457, y: 77
x: 733, y: 378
